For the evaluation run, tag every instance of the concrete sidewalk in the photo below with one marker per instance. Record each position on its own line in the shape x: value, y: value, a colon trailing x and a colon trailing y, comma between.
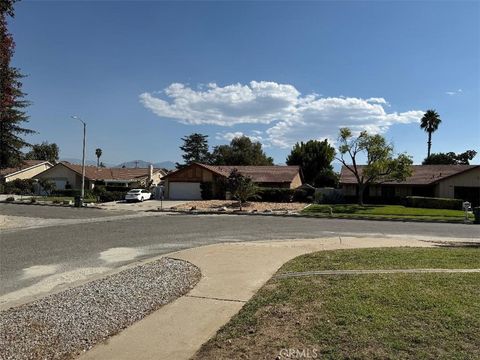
x: 231, y: 274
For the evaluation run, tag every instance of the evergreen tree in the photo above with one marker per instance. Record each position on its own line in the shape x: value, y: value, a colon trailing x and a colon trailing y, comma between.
x: 241, y: 151
x: 12, y: 114
x: 314, y: 158
x: 195, y: 149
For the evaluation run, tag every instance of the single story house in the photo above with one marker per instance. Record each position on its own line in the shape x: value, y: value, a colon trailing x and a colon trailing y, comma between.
x: 185, y: 183
x: 66, y: 175
x: 444, y: 181
x: 27, y: 170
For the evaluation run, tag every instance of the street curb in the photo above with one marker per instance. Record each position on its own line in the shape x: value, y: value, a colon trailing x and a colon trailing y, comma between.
x: 297, y: 215
x: 51, y: 204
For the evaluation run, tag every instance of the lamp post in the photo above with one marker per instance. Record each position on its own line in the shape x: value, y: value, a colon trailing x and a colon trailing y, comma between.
x: 82, y: 193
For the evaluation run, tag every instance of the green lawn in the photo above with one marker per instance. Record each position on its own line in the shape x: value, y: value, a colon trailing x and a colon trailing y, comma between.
x: 386, y: 211
x: 374, y: 316
x: 379, y: 258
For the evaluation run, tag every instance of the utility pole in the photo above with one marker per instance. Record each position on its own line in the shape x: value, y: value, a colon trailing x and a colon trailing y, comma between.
x: 82, y: 191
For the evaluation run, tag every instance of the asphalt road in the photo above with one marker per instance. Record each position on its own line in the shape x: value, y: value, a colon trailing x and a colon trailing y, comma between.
x: 31, y: 257
x: 54, y: 212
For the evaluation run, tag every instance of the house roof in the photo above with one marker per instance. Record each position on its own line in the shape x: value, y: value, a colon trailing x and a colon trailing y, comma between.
x: 421, y: 174
x: 258, y: 174
x: 24, y: 166
x: 94, y: 173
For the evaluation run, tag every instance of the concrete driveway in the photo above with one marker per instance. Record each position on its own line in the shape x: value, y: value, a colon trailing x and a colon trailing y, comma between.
x: 140, y: 206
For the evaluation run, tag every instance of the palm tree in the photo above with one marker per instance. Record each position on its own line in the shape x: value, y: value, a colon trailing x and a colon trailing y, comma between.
x: 429, y: 123
x: 98, y: 153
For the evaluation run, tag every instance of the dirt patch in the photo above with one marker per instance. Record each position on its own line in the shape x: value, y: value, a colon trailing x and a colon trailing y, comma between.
x: 230, y: 205
x: 260, y: 339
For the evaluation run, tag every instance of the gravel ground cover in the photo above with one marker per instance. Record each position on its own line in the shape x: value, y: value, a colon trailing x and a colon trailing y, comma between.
x: 63, y: 325
x: 233, y: 205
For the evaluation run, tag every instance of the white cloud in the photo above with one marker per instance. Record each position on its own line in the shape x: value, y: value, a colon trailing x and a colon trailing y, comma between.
x: 454, y: 92
x: 228, y: 136
x: 291, y: 116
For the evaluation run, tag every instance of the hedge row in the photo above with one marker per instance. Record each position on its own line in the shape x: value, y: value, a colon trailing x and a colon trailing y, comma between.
x: 284, y: 195
x: 433, y: 203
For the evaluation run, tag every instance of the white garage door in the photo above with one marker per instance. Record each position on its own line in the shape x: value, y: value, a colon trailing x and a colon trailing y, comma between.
x: 185, y: 191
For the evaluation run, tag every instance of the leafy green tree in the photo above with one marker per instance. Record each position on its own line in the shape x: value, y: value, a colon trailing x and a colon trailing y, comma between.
x: 314, y: 158
x: 98, y: 154
x: 381, y: 164
x: 450, y: 158
x: 12, y: 114
x: 195, y: 149
x: 44, y: 151
x: 430, y: 122
x: 241, y: 151
x: 241, y: 187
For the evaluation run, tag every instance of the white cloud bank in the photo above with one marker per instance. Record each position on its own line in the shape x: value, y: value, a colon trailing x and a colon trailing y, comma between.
x: 290, y: 116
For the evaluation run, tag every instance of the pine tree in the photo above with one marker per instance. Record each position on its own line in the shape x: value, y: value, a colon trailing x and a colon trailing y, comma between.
x: 12, y: 115
x: 195, y: 149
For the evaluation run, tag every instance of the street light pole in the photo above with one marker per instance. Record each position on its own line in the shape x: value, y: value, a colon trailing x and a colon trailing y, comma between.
x: 82, y: 193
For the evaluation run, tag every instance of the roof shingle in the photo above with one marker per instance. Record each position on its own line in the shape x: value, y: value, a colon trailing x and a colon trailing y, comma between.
x: 421, y: 174
x: 94, y: 173
x: 258, y: 174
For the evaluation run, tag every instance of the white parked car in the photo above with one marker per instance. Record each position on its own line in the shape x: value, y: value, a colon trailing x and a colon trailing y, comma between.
x: 138, y: 195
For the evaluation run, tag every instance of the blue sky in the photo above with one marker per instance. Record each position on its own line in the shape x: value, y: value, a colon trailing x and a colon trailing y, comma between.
x: 144, y: 74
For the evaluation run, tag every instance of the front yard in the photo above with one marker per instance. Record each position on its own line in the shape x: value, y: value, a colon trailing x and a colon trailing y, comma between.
x: 385, y: 211
x: 231, y: 205
x: 368, y: 316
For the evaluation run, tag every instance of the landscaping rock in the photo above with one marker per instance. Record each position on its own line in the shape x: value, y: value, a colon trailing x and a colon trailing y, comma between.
x: 65, y: 324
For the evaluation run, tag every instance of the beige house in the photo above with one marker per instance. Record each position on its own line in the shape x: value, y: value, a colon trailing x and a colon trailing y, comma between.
x: 27, y: 170
x: 185, y: 183
x: 444, y: 181
x: 69, y: 176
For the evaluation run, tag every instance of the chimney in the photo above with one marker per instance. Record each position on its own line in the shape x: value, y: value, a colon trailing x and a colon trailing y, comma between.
x: 150, y: 172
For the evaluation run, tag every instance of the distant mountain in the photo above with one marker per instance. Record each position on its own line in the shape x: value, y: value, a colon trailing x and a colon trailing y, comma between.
x: 79, y: 161
x: 144, y: 164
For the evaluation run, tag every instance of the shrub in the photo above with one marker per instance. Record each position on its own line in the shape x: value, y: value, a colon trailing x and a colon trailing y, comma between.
x: 66, y: 192
x: 33, y: 199
x: 46, y: 185
x: 433, y: 203
x: 121, y: 188
x: 103, y: 194
x: 206, y: 189
x: 20, y: 187
x: 304, y: 195
x: 276, y: 194
x: 241, y: 187
x: 112, y: 196
x: 329, y: 196
x: 10, y: 199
